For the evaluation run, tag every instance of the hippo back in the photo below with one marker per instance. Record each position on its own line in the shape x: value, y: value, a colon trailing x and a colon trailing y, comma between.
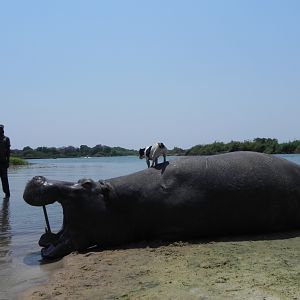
x: 222, y: 194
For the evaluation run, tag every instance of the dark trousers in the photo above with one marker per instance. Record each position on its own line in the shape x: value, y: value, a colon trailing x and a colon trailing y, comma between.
x: 4, y: 180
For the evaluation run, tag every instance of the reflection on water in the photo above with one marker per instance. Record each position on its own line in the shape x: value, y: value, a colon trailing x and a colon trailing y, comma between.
x: 5, y: 242
x: 21, y: 225
x: 5, y: 232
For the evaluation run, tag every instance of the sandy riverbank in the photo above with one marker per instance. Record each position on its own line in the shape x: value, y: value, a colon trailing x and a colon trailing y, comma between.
x: 264, y: 267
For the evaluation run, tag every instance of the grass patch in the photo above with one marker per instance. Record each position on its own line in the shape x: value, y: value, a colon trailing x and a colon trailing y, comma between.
x: 17, y: 161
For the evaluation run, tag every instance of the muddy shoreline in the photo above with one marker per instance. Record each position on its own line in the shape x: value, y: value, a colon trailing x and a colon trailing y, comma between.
x: 256, y: 267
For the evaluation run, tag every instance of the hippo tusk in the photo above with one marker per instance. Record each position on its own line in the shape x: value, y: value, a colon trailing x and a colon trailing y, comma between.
x: 48, y: 229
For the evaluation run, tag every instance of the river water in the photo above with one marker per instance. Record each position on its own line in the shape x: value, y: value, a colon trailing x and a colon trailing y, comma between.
x: 21, y: 225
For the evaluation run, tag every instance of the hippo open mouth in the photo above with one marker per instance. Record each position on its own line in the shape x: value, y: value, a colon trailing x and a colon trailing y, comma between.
x: 41, y: 192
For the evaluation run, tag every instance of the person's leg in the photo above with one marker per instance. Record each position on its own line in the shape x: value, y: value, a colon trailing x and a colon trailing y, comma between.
x: 4, y: 180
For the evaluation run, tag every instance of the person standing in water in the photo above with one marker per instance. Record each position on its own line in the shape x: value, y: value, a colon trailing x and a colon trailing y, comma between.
x: 4, y: 161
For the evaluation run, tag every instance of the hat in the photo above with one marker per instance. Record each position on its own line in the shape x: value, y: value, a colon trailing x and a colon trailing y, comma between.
x: 1, y: 126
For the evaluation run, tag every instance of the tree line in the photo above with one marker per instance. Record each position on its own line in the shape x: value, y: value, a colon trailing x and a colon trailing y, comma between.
x: 264, y: 145
x: 70, y: 151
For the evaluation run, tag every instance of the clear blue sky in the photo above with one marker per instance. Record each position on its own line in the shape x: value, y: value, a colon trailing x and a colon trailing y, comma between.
x: 130, y: 73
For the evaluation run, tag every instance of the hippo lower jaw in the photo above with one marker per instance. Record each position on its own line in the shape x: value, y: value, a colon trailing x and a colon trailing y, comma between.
x: 54, y: 246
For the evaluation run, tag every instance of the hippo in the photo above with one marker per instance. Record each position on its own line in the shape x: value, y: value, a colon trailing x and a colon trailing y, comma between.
x: 183, y: 199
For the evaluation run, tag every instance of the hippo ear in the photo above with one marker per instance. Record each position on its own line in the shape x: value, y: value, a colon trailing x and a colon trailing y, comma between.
x: 105, y: 187
x: 86, y: 183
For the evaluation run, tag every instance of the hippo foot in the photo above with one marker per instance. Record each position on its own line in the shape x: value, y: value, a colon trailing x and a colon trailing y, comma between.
x: 60, y: 250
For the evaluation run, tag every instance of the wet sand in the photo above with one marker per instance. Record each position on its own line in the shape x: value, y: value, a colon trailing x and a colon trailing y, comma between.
x: 255, y: 267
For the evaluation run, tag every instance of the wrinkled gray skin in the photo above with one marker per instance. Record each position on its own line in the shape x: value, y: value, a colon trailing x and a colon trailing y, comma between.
x: 240, y: 192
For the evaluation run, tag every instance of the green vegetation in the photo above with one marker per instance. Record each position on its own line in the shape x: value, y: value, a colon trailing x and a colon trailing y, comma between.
x: 17, y: 161
x: 176, y: 152
x: 70, y: 151
x: 265, y: 145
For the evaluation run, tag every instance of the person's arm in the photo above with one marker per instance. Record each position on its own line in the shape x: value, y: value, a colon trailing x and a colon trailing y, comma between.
x: 7, y: 151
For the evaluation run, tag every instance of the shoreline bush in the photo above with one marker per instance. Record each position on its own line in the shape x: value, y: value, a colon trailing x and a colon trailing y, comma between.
x: 17, y: 161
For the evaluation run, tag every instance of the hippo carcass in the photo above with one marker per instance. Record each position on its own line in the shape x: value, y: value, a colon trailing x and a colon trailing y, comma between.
x: 191, y: 197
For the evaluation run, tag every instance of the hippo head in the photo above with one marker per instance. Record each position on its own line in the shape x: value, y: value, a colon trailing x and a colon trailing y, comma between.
x: 83, y: 205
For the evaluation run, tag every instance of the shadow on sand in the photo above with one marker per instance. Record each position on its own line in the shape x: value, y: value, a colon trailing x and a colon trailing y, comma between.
x: 283, y: 235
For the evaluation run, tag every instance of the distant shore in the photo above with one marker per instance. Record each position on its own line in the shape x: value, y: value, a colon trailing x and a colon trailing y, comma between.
x: 263, y: 145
